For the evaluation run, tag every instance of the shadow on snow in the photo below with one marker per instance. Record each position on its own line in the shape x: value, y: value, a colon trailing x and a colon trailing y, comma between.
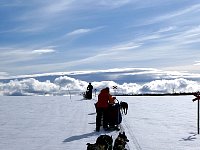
x: 189, y: 138
x: 87, y: 135
x: 78, y: 137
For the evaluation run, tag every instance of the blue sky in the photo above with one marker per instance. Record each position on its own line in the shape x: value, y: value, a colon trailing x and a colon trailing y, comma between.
x: 71, y: 35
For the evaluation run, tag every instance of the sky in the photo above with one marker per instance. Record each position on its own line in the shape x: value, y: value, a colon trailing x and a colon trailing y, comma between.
x: 52, y: 36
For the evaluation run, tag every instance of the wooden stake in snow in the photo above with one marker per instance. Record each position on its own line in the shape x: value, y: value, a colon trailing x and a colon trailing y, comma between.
x: 95, y: 92
x: 197, y: 95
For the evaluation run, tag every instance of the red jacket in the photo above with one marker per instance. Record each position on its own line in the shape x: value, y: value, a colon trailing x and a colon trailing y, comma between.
x: 104, y: 99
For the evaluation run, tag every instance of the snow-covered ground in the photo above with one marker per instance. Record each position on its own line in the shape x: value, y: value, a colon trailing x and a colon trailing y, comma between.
x: 61, y: 123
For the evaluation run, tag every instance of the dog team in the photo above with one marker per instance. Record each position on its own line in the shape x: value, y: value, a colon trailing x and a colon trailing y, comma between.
x: 105, y: 142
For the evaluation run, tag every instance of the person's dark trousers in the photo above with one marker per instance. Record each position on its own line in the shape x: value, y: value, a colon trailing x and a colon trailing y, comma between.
x: 89, y: 94
x: 101, y: 112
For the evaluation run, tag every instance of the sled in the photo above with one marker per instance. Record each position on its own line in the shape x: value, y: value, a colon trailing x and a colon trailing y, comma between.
x: 114, y: 115
x: 87, y: 95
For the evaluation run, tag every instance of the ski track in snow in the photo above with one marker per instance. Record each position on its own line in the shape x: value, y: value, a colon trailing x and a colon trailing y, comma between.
x: 133, y: 143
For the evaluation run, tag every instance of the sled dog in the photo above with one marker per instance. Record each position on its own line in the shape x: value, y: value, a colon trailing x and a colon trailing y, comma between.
x: 120, y: 142
x: 103, y: 142
x: 124, y: 107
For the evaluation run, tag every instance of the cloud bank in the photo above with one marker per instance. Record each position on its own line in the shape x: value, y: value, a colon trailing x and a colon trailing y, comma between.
x: 65, y: 85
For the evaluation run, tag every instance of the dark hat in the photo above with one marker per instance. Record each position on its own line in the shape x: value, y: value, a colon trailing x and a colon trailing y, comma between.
x: 107, y: 88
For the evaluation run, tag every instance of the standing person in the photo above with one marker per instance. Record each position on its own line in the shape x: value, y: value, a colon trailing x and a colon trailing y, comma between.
x: 104, y: 99
x: 89, y: 91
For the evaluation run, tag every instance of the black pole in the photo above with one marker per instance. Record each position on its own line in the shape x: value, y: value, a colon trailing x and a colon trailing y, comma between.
x: 95, y: 92
x: 197, y: 95
x: 198, y: 117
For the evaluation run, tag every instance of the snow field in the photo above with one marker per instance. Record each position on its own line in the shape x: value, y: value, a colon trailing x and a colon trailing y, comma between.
x: 61, y: 123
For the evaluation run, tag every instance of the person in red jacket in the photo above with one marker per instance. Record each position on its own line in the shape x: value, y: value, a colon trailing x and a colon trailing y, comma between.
x: 104, y: 100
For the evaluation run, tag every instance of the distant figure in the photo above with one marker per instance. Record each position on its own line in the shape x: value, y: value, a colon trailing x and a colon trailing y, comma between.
x: 89, y: 91
x: 104, y: 99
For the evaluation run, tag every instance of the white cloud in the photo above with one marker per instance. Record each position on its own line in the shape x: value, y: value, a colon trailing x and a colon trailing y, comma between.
x: 46, y: 9
x: 3, y: 75
x: 65, y: 86
x: 127, y: 74
x: 192, y: 8
x: 60, y: 86
x: 12, y: 55
x: 153, y: 81
x: 57, y: 6
x: 126, y: 46
x: 43, y: 51
x: 70, y: 85
x: 83, y: 31
x: 167, y: 29
x: 175, y: 14
x: 170, y: 86
x: 15, y: 55
x: 197, y: 63
x: 28, y: 87
x: 21, y: 55
x: 78, y: 32
x: 113, y: 3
